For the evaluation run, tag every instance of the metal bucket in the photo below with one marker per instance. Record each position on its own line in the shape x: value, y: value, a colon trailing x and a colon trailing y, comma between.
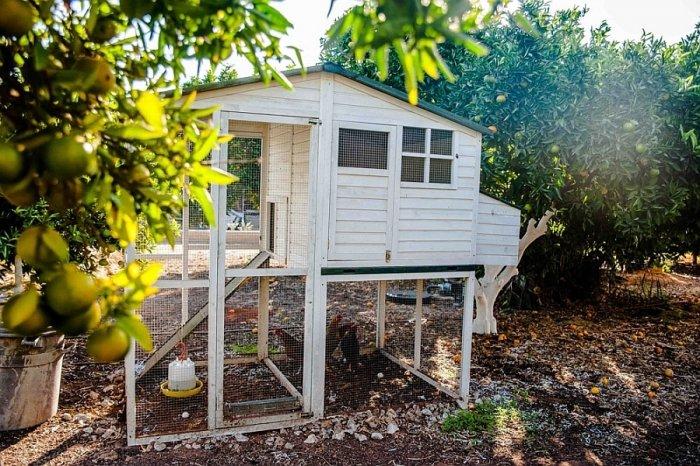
x: 30, y: 378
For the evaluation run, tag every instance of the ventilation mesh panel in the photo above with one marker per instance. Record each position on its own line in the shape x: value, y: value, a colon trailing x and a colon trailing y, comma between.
x: 412, y: 168
x: 441, y: 171
x: 362, y: 148
x: 441, y: 142
x: 413, y: 140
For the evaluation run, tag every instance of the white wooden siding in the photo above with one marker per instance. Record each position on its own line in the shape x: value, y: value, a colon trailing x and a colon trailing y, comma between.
x: 256, y: 98
x: 498, y: 232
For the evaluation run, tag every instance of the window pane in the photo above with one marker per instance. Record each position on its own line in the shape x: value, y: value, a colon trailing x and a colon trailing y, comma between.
x: 363, y: 149
x: 413, y: 140
x: 412, y: 168
x: 441, y: 142
x: 441, y: 171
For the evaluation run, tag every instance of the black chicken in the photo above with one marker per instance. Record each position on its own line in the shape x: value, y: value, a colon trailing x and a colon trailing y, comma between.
x: 350, y: 345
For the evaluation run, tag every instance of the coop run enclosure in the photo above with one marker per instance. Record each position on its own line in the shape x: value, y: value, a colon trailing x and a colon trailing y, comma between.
x: 340, y: 273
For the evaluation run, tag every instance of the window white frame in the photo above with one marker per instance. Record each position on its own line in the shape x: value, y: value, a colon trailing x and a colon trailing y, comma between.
x: 426, y: 156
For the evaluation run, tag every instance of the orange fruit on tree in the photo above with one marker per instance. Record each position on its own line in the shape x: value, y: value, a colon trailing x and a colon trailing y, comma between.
x: 42, y: 247
x: 82, y: 322
x: 24, y: 314
x: 17, y: 17
x: 11, y: 163
x: 71, y: 292
x: 108, y: 343
x: 68, y: 157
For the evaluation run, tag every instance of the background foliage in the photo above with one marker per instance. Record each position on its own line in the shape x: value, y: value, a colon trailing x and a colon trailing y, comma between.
x: 605, y: 132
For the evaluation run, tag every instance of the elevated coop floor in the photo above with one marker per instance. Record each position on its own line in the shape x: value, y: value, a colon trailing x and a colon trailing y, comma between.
x: 251, y: 389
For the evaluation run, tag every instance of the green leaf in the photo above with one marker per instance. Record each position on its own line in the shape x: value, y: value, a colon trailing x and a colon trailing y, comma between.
x: 475, y: 47
x: 203, y: 198
x: 523, y: 23
x: 214, y: 175
x: 133, y: 325
x: 41, y: 56
x: 150, y: 107
x: 149, y: 275
x: 134, y: 131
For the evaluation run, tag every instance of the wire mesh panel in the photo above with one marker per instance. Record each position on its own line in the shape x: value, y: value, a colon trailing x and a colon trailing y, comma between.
x: 242, y: 212
x: 263, y: 348
x: 156, y: 413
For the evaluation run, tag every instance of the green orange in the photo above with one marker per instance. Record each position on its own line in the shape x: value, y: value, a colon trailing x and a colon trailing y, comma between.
x: 71, y: 292
x: 11, y: 163
x: 108, y: 343
x: 68, y: 157
x: 42, y: 247
x: 24, y: 314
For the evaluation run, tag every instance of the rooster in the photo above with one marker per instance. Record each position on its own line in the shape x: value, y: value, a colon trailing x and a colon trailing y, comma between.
x: 333, y: 334
x: 350, y: 345
x: 293, y: 348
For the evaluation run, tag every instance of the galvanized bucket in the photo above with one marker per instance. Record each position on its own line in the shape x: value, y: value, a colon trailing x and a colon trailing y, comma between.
x: 30, y: 378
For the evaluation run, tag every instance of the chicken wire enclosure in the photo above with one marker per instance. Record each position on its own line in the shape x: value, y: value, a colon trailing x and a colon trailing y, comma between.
x: 384, y: 347
x: 263, y: 349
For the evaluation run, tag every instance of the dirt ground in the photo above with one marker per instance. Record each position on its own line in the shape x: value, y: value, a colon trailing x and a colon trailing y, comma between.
x: 545, y: 363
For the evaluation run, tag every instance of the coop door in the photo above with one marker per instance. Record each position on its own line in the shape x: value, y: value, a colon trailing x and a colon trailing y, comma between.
x: 361, y: 192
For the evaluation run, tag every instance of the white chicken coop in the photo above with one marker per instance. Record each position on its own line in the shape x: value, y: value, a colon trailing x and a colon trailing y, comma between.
x: 340, y: 274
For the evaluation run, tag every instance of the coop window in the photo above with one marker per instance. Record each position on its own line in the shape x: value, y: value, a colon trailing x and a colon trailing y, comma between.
x: 427, y: 155
x: 359, y: 148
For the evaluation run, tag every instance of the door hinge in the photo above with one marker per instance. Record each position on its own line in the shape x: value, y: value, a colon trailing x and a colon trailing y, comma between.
x: 387, y: 256
x: 314, y: 121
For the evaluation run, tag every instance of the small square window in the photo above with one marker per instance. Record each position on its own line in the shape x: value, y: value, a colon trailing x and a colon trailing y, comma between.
x: 412, y: 168
x: 441, y: 171
x: 359, y: 148
x: 441, y: 142
x: 413, y: 140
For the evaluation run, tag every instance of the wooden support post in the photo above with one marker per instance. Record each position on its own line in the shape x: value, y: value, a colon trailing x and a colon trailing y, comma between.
x: 418, y: 324
x: 467, y: 316
x: 263, y: 316
x: 381, y: 314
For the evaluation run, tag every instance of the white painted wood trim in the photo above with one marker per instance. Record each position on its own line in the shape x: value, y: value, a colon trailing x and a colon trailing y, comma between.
x: 467, y: 323
x: 418, y: 324
x: 391, y: 276
x: 182, y: 284
x: 320, y: 205
x: 217, y: 265
x: 19, y: 274
x: 234, y: 114
x: 314, y: 272
x: 272, y: 272
x: 247, y: 426
x: 129, y: 373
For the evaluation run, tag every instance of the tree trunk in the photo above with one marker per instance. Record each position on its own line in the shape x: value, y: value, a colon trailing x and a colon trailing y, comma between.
x: 496, y: 277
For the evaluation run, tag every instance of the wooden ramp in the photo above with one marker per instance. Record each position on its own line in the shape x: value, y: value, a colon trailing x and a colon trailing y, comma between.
x: 192, y: 323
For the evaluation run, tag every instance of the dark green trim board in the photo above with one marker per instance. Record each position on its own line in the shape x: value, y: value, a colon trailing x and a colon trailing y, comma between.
x: 371, y: 83
x: 397, y: 269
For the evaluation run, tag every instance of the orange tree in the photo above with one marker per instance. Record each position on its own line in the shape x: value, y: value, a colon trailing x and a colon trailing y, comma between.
x: 605, y: 132
x: 89, y: 147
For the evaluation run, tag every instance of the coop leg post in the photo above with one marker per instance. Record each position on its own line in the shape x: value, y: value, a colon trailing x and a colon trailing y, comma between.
x: 381, y: 315
x: 130, y: 377
x: 318, y: 376
x: 418, y: 325
x: 263, y: 317
x: 465, y: 363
